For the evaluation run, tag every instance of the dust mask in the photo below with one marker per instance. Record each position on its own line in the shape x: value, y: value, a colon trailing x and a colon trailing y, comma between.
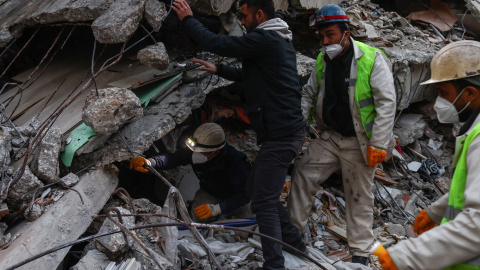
x: 446, y: 111
x: 335, y: 49
x: 198, y: 158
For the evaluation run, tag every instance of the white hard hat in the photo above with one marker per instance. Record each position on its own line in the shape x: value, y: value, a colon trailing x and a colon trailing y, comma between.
x: 455, y: 61
x: 206, y: 138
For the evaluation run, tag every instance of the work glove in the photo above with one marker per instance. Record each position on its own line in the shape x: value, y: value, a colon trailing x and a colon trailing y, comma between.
x: 423, y: 223
x: 138, y: 162
x: 384, y: 258
x: 207, y: 210
x: 374, y: 156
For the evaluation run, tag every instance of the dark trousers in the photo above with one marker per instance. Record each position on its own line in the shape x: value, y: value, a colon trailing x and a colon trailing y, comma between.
x: 265, y: 185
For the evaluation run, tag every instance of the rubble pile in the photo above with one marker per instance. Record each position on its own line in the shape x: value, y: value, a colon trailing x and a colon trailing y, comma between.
x: 149, y: 102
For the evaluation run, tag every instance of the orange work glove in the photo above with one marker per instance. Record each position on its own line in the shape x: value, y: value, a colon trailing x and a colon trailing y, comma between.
x: 423, y: 223
x: 384, y: 258
x: 207, y: 210
x: 138, y: 162
x: 375, y: 156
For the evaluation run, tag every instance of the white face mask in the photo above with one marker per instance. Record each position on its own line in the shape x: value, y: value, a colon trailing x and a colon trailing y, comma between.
x: 335, y: 49
x: 446, y: 111
x: 198, y: 158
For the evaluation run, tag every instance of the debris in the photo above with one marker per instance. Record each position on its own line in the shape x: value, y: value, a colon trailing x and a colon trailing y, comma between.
x: 45, y: 164
x: 119, y: 22
x: 106, y: 112
x: 154, y: 56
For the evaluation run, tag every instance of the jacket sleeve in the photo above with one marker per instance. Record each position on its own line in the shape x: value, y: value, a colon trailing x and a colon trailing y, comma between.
x: 245, y: 46
x: 309, y: 92
x: 454, y: 242
x: 437, y: 209
x: 383, y: 90
x: 238, y: 180
x: 230, y: 73
x: 171, y: 160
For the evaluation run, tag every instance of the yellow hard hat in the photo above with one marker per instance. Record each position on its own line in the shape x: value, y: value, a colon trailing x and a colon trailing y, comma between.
x: 206, y: 138
x: 455, y: 61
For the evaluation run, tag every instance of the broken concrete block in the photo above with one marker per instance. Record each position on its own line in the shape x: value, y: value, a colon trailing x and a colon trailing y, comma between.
x: 411, y: 128
x: 305, y: 66
x: 396, y: 229
x: 22, y: 191
x: 46, y: 164
x: 155, y: 13
x: 112, y: 108
x: 5, y: 145
x: 114, y: 244
x: 5, y: 37
x: 211, y: 7
x: 154, y: 56
x: 4, y: 239
x: 70, y: 180
x: 65, y: 221
x: 119, y: 22
x: 33, y: 212
x: 94, y: 259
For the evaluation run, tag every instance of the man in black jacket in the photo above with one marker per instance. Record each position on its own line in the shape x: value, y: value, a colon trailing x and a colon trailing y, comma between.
x: 272, y: 95
x: 221, y: 169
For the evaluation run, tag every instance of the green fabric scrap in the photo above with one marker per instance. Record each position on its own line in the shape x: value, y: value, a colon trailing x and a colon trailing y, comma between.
x: 79, y: 136
x: 147, y: 92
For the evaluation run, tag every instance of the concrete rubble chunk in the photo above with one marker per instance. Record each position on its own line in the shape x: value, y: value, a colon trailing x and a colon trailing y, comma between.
x: 154, y: 56
x: 5, y: 37
x: 5, y: 145
x: 114, y: 245
x: 65, y: 221
x: 396, y: 229
x: 33, y: 212
x: 411, y: 128
x: 70, y: 10
x: 212, y: 7
x: 112, y: 108
x: 158, y: 120
x: 94, y: 259
x: 21, y: 135
x: 155, y: 13
x: 305, y: 65
x: 119, y: 22
x: 70, y: 180
x: 46, y: 162
x: 22, y: 191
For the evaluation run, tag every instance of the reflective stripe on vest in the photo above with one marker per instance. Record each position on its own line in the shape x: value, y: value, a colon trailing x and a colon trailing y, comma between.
x: 363, y: 91
x: 456, y: 197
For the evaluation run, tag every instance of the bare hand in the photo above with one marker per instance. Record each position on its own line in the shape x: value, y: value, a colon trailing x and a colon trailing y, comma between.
x: 208, y: 67
x: 182, y: 9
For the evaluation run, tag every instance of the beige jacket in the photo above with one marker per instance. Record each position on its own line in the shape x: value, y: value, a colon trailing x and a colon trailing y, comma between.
x: 383, y: 90
x: 454, y: 242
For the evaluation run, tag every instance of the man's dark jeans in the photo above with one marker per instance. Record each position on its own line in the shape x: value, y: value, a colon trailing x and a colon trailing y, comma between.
x: 265, y: 185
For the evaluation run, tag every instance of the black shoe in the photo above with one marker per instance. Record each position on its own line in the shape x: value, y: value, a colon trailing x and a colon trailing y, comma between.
x: 360, y: 259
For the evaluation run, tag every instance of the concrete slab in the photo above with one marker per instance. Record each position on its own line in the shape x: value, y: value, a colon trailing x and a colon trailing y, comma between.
x: 65, y: 221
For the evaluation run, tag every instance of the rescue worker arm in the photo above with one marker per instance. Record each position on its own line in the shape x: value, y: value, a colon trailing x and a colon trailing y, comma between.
x: 171, y: 160
x: 456, y: 241
x: 224, y: 45
x: 383, y: 91
x: 436, y: 210
x: 309, y: 92
x: 237, y: 178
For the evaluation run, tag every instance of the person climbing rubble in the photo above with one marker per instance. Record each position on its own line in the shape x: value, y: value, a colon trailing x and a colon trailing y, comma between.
x: 455, y: 244
x: 272, y: 95
x: 222, y: 171
x: 351, y: 96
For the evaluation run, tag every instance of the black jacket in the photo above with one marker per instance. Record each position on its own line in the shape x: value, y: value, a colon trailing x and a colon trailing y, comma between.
x: 224, y: 176
x: 269, y: 75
